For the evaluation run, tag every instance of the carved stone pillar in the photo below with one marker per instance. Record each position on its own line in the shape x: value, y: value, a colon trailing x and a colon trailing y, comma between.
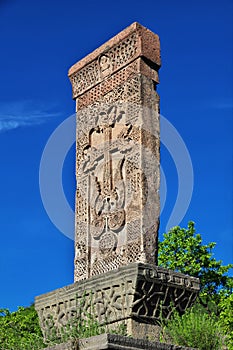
x: 117, y: 200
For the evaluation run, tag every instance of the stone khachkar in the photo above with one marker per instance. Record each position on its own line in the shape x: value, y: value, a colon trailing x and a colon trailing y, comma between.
x: 117, y: 202
x: 117, y: 198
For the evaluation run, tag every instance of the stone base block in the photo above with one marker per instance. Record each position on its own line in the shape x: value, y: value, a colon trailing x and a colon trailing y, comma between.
x: 64, y: 346
x: 135, y: 296
x: 117, y: 342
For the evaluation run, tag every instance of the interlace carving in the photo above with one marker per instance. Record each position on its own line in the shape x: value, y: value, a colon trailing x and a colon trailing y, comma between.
x: 139, y: 290
x: 112, y: 186
x: 102, y: 67
x: 113, y: 179
x: 117, y: 198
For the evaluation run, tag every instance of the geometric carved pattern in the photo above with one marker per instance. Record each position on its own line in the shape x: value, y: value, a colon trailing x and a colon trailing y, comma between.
x: 113, y: 185
x: 117, y: 201
x: 117, y: 163
x: 97, y: 92
x: 93, y: 73
x: 137, y: 291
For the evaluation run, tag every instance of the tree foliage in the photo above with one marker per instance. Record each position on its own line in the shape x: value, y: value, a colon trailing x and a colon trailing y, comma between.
x: 226, y: 318
x: 20, y: 329
x: 183, y: 250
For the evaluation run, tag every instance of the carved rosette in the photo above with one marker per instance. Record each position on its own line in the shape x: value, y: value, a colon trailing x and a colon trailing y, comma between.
x: 117, y: 200
x: 117, y: 168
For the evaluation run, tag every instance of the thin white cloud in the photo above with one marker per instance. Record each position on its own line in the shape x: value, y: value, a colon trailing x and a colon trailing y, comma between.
x: 22, y: 114
x: 221, y: 104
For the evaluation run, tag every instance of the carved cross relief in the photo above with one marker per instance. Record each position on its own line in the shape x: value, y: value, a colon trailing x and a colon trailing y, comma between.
x: 103, y: 164
x: 107, y: 184
x: 117, y: 157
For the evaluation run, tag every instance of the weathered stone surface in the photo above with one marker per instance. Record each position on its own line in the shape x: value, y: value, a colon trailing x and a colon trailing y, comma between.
x: 65, y: 346
x: 118, y: 159
x: 130, y: 295
x: 117, y: 342
x: 132, y: 43
x: 117, y: 201
x: 114, y: 341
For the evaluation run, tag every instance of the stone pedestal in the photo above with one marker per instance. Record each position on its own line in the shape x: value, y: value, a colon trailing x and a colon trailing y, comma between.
x: 116, y: 342
x: 135, y: 295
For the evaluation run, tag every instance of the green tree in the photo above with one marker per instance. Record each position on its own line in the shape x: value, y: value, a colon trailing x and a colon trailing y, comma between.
x: 226, y: 318
x: 20, y: 329
x: 183, y: 250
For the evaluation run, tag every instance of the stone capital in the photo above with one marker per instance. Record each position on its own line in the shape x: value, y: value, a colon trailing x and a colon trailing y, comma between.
x: 133, y: 43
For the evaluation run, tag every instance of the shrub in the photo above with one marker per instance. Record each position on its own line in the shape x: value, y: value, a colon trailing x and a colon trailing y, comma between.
x: 195, y: 328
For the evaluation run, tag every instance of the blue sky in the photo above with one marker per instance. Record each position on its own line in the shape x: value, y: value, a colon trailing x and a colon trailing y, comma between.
x: 39, y: 41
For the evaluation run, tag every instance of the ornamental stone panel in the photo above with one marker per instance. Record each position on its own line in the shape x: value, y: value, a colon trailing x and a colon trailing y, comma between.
x: 117, y: 164
x: 134, y: 295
